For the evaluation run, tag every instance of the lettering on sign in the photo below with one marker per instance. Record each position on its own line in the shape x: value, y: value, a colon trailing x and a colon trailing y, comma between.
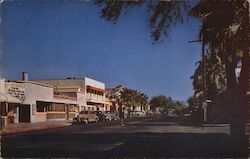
x: 16, y: 90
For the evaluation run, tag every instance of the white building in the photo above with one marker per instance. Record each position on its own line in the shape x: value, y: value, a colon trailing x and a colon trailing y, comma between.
x: 89, y: 93
x: 95, y: 95
x: 28, y: 101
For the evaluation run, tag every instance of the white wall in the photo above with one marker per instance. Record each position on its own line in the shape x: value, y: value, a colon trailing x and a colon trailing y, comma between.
x: 81, y: 100
x: 94, y: 83
x: 33, y: 93
x: 2, y: 86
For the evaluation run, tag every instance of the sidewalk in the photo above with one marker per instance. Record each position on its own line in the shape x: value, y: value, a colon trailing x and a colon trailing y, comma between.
x: 26, y: 127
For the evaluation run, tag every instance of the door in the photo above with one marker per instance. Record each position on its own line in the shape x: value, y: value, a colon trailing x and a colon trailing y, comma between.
x: 24, y: 114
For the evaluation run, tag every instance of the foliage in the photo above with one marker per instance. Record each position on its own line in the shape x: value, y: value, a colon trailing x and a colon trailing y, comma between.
x: 215, y: 76
x: 160, y: 101
x: 225, y: 30
x: 194, y: 101
x: 162, y: 15
x: 131, y: 97
x: 163, y: 103
x: 177, y: 105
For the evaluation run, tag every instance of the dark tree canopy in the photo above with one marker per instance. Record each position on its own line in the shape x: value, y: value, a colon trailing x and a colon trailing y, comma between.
x: 162, y: 15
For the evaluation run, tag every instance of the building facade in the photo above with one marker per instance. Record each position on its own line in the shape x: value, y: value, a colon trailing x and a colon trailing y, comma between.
x: 88, y: 93
x: 29, y: 101
x: 96, y: 95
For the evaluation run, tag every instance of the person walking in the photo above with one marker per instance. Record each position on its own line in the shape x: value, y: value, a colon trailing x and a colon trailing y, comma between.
x: 121, y: 114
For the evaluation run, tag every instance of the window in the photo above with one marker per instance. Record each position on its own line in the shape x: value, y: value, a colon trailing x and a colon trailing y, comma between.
x: 40, y: 108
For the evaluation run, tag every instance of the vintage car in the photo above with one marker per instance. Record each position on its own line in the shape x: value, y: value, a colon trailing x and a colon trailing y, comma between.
x: 86, y: 117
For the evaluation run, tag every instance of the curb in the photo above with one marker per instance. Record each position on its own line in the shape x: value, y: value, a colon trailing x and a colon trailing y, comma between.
x: 21, y: 130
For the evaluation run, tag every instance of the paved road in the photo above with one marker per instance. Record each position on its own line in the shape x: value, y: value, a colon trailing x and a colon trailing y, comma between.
x: 140, y: 138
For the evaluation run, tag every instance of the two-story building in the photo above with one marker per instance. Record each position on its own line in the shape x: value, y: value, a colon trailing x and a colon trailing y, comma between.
x: 96, y: 95
x: 89, y: 93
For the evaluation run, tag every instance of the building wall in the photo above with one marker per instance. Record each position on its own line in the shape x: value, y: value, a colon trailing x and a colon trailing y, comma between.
x: 94, y: 83
x: 65, y: 83
x: 96, y: 98
x: 16, y: 90
x: 81, y: 99
x: 35, y: 93
x: 69, y: 87
x: 77, y: 87
x: 2, y: 85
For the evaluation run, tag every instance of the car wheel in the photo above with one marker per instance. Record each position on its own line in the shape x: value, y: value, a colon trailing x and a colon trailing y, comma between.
x: 86, y: 121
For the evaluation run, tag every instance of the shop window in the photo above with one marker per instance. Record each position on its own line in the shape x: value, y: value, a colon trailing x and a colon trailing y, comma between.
x: 59, y: 108
x: 40, y: 108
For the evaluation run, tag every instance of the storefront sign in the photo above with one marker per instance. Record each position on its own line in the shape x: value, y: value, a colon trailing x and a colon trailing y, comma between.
x: 16, y: 90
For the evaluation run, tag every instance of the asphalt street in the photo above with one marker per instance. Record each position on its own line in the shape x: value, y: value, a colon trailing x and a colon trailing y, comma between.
x: 139, y: 138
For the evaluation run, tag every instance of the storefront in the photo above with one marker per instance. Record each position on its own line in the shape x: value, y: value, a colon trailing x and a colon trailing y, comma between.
x: 9, y: 108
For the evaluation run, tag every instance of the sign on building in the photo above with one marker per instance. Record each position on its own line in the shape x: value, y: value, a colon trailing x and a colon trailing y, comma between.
x: 16, y: 90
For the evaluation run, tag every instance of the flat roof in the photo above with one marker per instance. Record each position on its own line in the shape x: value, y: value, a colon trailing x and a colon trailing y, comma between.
x: 32, y: 82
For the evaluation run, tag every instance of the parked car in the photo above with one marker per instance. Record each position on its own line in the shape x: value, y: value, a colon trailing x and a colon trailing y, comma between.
x: 137, y: 114
x: 111, y: 116
x: 86, y: 117
x: 108, y: 116
x: 100, y: 115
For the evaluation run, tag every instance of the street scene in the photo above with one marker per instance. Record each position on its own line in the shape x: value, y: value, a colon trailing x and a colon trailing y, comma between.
x: 124, y: 79
x: 139, y: 138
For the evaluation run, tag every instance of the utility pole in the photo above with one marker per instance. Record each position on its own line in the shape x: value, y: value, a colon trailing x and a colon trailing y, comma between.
x: 204, y: 103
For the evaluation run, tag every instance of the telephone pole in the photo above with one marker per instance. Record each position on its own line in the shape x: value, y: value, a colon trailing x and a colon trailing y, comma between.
x: 204, y: 102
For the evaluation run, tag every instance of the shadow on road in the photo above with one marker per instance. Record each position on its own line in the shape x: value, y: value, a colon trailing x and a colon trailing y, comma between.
x: 121, y: 145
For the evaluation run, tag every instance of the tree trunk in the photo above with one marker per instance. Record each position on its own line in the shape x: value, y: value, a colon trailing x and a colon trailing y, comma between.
x: 245, y: 83
x: 236, y: 103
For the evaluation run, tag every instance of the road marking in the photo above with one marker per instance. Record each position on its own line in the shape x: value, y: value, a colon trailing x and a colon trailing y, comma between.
x: 65, y: 146
x: 113, y: 146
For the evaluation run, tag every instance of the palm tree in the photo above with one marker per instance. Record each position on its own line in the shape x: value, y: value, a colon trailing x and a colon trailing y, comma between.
x: 133, y: 98
x: 215, y: 76
x: 225, y: 31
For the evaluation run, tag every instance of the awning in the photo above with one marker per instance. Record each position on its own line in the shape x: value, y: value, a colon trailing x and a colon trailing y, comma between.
x: 96, y: 89
x: 64, y: 101
x: 8, y: 98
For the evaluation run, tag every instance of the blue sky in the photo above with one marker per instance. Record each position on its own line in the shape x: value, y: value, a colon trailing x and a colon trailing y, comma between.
x: 59, y: 40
